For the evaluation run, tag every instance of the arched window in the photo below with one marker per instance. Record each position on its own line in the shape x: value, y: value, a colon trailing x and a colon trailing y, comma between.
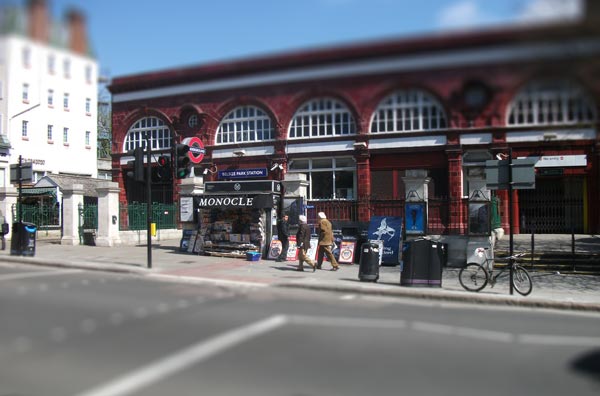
x: 408, y: 111
x: 321, y: 118
x: 551, y: 102
x: 160, y: 134
x: 245, y: 124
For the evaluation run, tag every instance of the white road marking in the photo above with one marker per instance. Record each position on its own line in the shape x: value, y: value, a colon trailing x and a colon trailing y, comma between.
x: 487, y: 335
x: 541, y: 339
x: 37, y: 274
x: 162, y: 368
x: 347, y: 322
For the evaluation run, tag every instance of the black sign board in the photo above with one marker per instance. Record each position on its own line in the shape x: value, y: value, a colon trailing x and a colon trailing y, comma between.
x: 266, y: 186
x: 523, y: 174
x: 26, y: 172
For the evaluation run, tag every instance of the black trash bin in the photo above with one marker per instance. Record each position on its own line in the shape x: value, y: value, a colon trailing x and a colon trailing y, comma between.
x: 23, y: 239
x: 423, y: 260
x: 369, y: 262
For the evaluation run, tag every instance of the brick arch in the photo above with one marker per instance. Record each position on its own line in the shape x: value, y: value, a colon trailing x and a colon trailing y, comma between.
x: 121, y: 126
x: 305, y: 96
x: 137, y: 115
x: 513, y: 91
x: 216, y: 117
x: 382, y: 93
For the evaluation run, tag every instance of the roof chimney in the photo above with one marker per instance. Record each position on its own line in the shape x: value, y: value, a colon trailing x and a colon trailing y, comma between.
x: 38, y: 20
x: 77, y: 34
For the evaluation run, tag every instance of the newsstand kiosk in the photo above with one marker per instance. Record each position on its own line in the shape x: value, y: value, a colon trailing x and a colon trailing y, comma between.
x: 236, y: 217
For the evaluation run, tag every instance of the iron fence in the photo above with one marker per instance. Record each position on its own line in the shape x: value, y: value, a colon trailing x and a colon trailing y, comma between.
x: 46, y: 217
x: 133, y: 216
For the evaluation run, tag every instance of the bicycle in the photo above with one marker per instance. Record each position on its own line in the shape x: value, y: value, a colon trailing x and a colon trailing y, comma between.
x: 474, y: 277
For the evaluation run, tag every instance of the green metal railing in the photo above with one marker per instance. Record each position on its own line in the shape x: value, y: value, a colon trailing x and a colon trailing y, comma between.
x: 133, y: 216
x: 45, y: 217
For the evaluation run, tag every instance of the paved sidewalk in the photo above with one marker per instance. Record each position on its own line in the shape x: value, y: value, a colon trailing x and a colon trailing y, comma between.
x: 551, y: 290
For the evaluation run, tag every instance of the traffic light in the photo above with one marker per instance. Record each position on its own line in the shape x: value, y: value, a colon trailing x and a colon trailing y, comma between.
x: 164, y: 167
x: 182, y: 161
x: 137, y: 164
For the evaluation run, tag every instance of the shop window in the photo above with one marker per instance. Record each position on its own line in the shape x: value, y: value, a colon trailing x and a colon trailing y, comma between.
x: 550, y: 103
x: 322, y: 117
x: 245, y: 124
x: 387, y: 184
x: 329, y: 178
x: 160, y: 134
x: 408, y: 111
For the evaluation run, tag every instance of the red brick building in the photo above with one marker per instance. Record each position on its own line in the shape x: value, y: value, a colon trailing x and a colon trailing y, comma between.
x: 359, y: 120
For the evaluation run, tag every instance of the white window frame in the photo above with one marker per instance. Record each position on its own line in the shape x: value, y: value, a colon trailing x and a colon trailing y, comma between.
x: 245, y: 124
x: 51, y: 64
x: 67, y: 68
x: 24, y: 129
x: 550, y: 102
x: 26, y: 57
x: 25, y: 94
x: 50, y: 132
x: 66, y: 135
x: 88, y: 106
x: 160, y: 134
x: 88, y: 74
x: 311, y: 169
x: 410, y: 110
x: 88, y: 136
x: 322, y: 118
x: 66, y: 101
x: 50, y: 98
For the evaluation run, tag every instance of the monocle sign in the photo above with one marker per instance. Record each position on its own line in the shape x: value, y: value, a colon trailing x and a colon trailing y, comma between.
x: 236, y: 201
x: 226, y: 201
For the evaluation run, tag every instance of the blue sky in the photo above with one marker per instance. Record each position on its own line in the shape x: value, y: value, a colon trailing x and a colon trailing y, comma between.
x: 134, y: 36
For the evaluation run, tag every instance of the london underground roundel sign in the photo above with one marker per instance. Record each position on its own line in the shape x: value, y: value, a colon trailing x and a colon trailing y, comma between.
x: 197, y: 149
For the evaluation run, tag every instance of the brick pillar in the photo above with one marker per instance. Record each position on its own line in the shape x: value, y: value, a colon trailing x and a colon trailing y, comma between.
x: 363, y: 188
x: 456, y: 208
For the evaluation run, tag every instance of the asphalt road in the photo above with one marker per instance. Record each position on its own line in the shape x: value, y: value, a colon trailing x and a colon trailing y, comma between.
x: 69, y: 332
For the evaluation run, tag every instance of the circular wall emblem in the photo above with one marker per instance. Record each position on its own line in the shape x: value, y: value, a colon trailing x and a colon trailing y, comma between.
x: 197, y: 149
x: 237, y: 186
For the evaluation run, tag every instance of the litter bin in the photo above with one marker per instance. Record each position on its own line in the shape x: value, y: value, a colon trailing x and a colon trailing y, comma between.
x: 423, y: 260
x: 23, y: 239
x: 369, y: 262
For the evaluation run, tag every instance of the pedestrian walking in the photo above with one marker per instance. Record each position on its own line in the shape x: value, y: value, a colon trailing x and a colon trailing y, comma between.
x: 325, y: 242
x: 303, y: 244
x: 283, y: 234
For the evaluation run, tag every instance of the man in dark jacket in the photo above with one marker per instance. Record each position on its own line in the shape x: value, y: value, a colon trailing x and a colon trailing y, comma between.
x: 303, y: 244
x: 283, y: 234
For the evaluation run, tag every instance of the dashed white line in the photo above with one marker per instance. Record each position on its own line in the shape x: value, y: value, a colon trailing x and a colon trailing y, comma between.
x: 37, y: 274
x: 162, y: 368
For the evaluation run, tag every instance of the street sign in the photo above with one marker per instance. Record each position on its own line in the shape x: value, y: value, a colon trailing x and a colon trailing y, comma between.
x: 523, y: 174
x: 26, y: 172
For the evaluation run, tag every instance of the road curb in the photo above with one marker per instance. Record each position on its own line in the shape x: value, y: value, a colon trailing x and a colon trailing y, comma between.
x: 444, y: 295
x: 361, y: 288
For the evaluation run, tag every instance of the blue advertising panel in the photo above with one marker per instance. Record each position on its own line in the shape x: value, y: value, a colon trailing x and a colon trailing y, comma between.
x: 415, y: 218
x: 389, y: 230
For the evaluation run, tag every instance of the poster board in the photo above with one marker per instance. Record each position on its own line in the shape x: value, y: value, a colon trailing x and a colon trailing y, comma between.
x: 312, y: 251
x: 275, y: 249
x: 185, y: 240
x: 193, y: 237
x: 389, y: 230
x: 347, y: 252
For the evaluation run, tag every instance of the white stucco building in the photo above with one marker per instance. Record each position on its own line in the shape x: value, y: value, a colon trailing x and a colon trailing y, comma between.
x: 48, y: 93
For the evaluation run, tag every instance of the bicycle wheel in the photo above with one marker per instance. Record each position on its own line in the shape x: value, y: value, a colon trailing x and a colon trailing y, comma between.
x: 473, y: 277
x: 522, y: 281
